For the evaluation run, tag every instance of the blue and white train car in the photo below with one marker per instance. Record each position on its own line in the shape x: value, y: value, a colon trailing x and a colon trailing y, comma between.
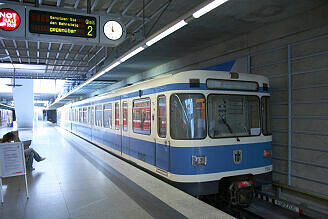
x: 206, y: 131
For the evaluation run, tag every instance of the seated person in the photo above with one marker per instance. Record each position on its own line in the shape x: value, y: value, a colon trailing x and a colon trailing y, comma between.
x: 29, y: 153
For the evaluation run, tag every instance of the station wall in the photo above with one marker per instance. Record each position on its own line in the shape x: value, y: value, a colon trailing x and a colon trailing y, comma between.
x: 295, y: 47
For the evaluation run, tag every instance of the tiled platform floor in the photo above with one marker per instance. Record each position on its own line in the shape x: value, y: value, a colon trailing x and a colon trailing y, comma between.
x: 78, y: 180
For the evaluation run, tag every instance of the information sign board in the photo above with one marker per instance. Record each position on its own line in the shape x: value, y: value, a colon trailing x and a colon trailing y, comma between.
x: 18, y: 22
x: 12, y: 163
x: 12, y: 159
x: 63, y: 24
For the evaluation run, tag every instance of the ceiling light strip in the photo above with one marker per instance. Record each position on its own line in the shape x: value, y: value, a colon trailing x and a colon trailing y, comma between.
x: 102, y: 72
x: 207, y: 8
x: 112, y: 66
x: 167, y: 32
x: 134, y: 52
x: 87, y: 82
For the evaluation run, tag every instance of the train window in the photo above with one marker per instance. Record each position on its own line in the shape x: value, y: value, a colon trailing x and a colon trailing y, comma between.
x: 69, y: 115
x: 161, y: 116
x: 99, y: 115
x: 125, y: 116
x: 91, y: 116
x: 117, y: 116
x: 233, y: 115
x: 85, y: 115
x: 141, y: 116
x: 108, y: 115
x: 80, y: 115
x: 73, y: 118
x: 187, y: 114
x: 266, y: 115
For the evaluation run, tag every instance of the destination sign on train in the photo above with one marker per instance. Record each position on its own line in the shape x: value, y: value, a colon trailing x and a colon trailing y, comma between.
x: 44, y: 22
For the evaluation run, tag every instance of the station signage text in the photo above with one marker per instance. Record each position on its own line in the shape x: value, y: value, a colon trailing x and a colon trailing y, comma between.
x: 9, y: 19
x: 44, y: 22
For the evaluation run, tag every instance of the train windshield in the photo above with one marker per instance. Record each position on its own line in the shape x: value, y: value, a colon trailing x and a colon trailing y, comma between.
x: 188, y: 116
x: 233, y: 115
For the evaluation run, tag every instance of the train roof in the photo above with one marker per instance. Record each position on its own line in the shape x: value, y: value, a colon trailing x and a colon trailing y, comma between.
x: 181, y: 77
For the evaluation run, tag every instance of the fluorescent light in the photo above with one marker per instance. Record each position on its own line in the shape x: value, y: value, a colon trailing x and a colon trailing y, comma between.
x: 167, y: 32
x: 208, y: 7
x: 59, y: 98
x: 132, y: 54
x: 112, y: 66
x: 22, y: 66
x: 101, y: 73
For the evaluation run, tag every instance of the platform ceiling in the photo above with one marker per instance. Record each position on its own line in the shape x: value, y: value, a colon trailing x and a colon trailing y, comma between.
x: 77, y: 63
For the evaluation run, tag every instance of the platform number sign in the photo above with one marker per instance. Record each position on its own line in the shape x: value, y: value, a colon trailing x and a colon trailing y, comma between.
x: 9, y: 19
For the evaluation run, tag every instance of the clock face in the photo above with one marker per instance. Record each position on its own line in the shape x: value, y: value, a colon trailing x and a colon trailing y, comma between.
x: 113, y: 30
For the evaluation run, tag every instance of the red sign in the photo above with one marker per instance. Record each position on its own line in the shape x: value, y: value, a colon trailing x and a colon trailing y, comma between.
x: 9, y: 19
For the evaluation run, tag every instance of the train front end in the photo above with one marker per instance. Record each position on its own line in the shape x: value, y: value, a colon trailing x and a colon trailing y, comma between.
x: 221, y: 138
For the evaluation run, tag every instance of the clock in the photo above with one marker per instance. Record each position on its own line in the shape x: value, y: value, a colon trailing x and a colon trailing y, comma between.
x: 113, y: 30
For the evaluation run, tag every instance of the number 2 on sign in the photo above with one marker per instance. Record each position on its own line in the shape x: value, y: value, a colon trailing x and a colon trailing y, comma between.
x: 90, y: 30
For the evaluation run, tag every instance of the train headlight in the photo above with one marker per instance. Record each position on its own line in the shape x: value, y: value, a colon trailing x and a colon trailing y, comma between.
x: 267, y: 153
x: 199, y: 160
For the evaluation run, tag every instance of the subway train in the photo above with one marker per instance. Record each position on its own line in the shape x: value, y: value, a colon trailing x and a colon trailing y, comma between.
x: 207, y: 132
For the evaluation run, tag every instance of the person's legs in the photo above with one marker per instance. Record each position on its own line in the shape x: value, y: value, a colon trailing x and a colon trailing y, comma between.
x: 29, y: 155
x: 35, y: 154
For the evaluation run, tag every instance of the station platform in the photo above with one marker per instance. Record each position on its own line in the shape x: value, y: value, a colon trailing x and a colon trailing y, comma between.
x: 79, y: 180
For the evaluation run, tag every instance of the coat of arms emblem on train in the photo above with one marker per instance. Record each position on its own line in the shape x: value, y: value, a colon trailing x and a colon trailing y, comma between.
x: 237, y: 156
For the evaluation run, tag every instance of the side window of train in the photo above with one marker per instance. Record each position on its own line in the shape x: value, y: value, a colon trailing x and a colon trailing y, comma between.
x: 74, y: 115
x: 161, y: 116
x: 91, y: 116
x: 266, y: 115
x: 117, y: 116
x: 80, y: 115
x: 125, y: 116
x: 85, y: 115
x: 141, y: 118
x: 99, y: 115
x: 108, y: 115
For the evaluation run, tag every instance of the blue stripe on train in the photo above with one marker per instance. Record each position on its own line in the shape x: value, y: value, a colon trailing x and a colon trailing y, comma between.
x: 219, y: 158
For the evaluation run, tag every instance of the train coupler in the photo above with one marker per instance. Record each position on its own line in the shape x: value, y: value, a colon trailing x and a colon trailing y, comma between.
x: 241, y: 193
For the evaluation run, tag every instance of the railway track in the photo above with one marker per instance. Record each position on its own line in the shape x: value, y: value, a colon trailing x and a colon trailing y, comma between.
x: 259, y: 209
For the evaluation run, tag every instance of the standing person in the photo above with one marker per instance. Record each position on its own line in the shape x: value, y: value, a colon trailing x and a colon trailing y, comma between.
x: 29, y: 153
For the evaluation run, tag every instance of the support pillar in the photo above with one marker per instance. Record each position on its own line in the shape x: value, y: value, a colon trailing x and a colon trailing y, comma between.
x: 24, y: 103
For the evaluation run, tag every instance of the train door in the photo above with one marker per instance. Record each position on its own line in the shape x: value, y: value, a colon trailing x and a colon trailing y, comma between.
x: 117, y: 127
x: 162, y: 143
x: 125, y: 128
x: 91, y: 121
